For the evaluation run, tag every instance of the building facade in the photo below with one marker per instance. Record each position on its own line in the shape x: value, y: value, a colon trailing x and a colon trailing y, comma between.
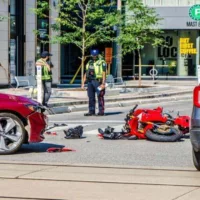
x: 181, y: 31
x: 20, y: 47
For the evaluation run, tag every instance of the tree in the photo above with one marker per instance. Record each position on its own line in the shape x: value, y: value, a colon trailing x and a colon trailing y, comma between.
x: 84, y: 23
x: 139, y: 28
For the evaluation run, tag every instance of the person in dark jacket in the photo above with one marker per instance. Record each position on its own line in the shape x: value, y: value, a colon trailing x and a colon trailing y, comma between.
x: 95, y: 75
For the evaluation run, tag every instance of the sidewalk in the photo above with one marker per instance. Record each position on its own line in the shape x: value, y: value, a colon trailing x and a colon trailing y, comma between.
x: 73, y: 99
x: 43, y: 181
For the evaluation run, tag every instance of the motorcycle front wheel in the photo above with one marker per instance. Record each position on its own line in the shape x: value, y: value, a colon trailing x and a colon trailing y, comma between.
x: 175, y: 135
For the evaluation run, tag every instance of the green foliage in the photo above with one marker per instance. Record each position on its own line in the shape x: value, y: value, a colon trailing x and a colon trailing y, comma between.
x: 139, y: 27
x: 42, y: 8
x: 84, y: 23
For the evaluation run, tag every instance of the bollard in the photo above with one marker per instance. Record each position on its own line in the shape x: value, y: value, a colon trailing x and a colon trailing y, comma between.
x: 39, y: 84
x: 198, y: 73
x: 153, y: 72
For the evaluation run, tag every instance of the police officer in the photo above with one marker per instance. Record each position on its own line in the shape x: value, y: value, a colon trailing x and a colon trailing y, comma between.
x: 46, y: 75
x: 96, y: 77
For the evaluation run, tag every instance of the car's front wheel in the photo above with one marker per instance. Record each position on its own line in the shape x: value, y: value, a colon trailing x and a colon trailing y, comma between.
x: 12, y: 133
x: 196, y: 159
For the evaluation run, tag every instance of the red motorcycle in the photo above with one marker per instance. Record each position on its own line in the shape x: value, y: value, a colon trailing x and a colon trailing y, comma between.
x: 151, y: 124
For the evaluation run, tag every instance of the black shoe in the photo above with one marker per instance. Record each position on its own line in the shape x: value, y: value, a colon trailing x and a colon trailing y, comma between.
x: 89, y: 114
x: 100, y: 114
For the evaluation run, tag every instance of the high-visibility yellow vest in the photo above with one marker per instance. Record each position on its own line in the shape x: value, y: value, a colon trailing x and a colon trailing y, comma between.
x: 45, y: 72
x: 98, y: 67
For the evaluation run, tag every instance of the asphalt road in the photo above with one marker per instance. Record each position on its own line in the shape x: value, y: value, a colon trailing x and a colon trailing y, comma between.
x: 92, y: 150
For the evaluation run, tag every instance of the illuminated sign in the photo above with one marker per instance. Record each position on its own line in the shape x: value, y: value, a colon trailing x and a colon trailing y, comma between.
x: 187, y: 47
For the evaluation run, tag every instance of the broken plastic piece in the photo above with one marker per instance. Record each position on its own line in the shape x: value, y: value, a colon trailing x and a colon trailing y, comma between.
x: 51, y: 133
x: 53, y: 149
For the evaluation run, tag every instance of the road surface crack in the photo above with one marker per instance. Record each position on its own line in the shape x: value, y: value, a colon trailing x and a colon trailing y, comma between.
x: 32, y: 172
x: 186, y: 193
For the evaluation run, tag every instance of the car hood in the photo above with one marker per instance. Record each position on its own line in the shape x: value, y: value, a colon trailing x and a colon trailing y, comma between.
x: 20, y: 99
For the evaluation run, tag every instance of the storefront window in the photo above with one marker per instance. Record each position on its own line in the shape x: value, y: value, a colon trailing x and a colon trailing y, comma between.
x: 43, y: 29
x: 176, y: 58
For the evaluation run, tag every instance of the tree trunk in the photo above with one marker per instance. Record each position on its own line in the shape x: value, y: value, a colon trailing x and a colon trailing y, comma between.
x: 140, y: 67
x: 133, y: 67
x: 82, y: 67
x: 83, y: 46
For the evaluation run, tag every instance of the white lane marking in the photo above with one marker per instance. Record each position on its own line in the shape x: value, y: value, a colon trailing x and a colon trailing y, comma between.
x: 87, y: 121
x: 95, y: 131
x: 61, y: 128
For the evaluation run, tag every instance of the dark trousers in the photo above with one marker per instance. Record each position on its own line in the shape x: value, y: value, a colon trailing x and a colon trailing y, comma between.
x: 47, y: 91
x: 92, y: 90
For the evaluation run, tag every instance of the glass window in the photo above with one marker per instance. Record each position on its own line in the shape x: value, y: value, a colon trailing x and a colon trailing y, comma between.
x: 43, y: 29
x: 12, y: 7
x: 148, y: 2
x: 186, y: 2
x: 169, y: 2
x: 157, y: 2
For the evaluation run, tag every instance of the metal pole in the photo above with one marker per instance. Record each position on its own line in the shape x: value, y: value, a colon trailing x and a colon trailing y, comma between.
x: 119, y: 48
x: 198, y: 51
x: 153, y: 74
x: 39, y: 84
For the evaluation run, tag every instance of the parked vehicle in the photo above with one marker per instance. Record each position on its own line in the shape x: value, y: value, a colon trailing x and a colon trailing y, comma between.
x: 22, y: 120
x: 195, y: 127
x: 151, y: 124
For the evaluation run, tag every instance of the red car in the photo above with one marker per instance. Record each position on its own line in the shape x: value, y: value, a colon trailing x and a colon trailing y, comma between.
x: 22, y: 120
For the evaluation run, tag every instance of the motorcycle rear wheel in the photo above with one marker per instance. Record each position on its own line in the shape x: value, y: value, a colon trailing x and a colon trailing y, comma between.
x: 175, y: 135
x: 164, y: 130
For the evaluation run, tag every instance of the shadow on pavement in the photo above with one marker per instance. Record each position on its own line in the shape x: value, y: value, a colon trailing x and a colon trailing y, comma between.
x: 113, y: 113
x: 37, y: 147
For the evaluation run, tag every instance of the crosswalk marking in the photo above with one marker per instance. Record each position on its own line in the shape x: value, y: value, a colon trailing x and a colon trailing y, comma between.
x: 61, y: 128
x: 87, y: 121
x: 95, y: 131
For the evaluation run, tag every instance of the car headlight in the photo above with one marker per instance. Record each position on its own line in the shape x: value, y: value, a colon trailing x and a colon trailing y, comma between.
x: 32, y: 107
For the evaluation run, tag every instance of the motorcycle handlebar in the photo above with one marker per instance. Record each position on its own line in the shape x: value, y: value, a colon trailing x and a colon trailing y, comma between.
x: 132, y: 110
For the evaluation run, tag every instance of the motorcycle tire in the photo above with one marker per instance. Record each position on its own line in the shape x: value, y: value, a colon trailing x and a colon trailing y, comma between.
x: 153, y: 136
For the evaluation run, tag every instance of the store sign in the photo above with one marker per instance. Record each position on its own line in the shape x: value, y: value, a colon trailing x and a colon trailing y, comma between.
x: 169, y: 50
x: 108, y: 55
x: 194, y: 12
x: 187, y: 47
x: 193, y: 24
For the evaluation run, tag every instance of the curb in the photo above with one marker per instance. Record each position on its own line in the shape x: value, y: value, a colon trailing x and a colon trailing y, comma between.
x: 129, y: 102
x: 116, y: 99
